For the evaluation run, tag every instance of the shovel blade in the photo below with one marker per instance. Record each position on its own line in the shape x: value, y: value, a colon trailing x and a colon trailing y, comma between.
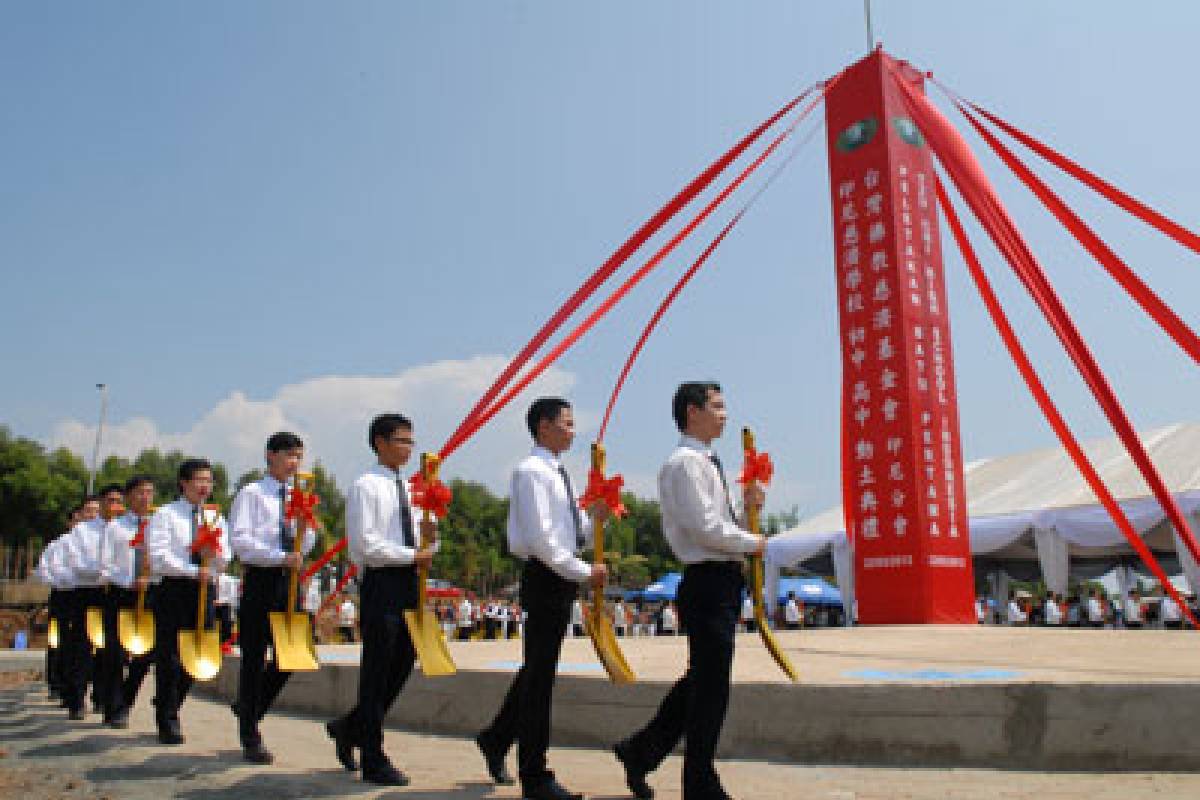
x: 430, y: 643
x: 52, y: 634
x: 772, y: 644
x: 136, y: 633
x: 608, y: 650
x: 95, y: 627
x: 293, y: 638
x: 200, y: 652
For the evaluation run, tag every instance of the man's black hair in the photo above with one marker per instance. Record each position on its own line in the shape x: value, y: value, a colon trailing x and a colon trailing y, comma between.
x: 136, y: 481
x: 108, y: 488
x: 189, y: 468
x: 544, y: 408
x: 693, y: 393
x: 385, y: 425
x: 284, y: 440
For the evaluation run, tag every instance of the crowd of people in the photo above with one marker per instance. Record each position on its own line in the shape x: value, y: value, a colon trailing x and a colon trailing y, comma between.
x: 1089, y: 609
x: 121, y: 554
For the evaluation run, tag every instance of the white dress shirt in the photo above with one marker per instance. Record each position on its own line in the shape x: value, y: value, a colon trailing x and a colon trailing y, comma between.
x: 117, y: 559
x: 1053, y: 613
x: 668, y: 619
x: 747, y: 607
x: 464, y: 613
x: 540, y: 522
x: 791, y: 612
x: 58, y: 566
x: 169, y: 541
x: 347, y: 613
x: 1133, y: 610
x: 374, y: 524
x: 312, y: 597
x: 695, y: 513
x: 83, y: 552
x: 1015, y: 614
x: 254, y: 529
x: 1095, y: 611
x: 229, y: 590
x: 1170, y: 609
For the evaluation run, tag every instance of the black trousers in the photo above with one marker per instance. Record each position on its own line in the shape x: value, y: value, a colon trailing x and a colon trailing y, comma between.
x: 264, y: 589
x: 694, y: 709
x: 387, y: 660
x: 77, y: 650
x: 524, y: 715
x: 175, y: 610
x: 122, y: 673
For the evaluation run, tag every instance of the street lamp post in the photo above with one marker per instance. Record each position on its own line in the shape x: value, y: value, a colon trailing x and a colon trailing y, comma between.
x: 103, y: 387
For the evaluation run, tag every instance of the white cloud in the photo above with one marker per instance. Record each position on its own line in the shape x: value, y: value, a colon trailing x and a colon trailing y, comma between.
x: 332, y: 412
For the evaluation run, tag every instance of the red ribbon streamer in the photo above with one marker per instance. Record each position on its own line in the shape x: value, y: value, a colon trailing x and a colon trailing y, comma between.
x: 641, y: 273
x: 1047, y: 406
x: 1102, y: 187
x: 207, y: 536
x: 975, y: 189
x: 433, y: 497
x: 605, y: 490
x: 325, y: 558
x: 337, y: 590
x: 300, y: 507
x: 756, y: 467
x: 1142, y: 294
x: 622, y: 254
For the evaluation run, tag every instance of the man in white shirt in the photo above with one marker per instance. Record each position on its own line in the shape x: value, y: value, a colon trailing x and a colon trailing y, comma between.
x: 1095, y: 610
x: 381, y: 530
x: 181, y: 562
x: 1172, y: 615
x: 465, y: 619
x: 620, y: 618
x: 347, y: 614
x: 577, y: 618
x: 125, y: 570
x: 81, y: 549
x: 704, y: 533
x: 1134, y: 618
x: 791, y: 613
x: 748, y: 613
x: 1016, y: 615
x: 264, y: 540
x: 548, y: 530
x: 1051, y: 610
x: 669, y: 622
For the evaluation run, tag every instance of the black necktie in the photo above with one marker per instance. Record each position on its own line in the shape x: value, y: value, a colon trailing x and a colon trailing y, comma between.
x: 574, y: 507
x: 287, y: 540
x: 139, y: 553
x: 406, y: 520
x: 724, y: 484
x: 195, y: 526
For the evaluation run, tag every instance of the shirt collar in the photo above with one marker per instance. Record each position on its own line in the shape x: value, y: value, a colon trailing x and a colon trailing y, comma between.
x: 547, y: 456
x: 695, y: 444
x: 271, y: 484
x: 387, y: 472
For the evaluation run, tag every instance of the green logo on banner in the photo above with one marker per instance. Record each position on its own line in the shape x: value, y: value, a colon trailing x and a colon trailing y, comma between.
x: 908, y: 131
x: 857, y: 135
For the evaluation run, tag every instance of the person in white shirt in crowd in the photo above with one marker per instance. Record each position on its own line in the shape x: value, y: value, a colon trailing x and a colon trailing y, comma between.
x: 465, y: 619
x: 125, y: 569
x: 620, y: 619
x: 668, y: 620
x: 264, y: 540
x: 312, y: 596
x: 1016, y: 615
x: 980, y: 611
x: 1170, y: 613
x: 705, y: 534
x: 577, y: 618
x: 1134, y: 617
x: 1051, y: 610
x: 1095, y: 610
x: 347, y: 616
x: 82, y: 551
x: 382, y: 531
x: 748, y: 612
x: 170, y: 537
x: 791, y: 613
x: 548, y: 530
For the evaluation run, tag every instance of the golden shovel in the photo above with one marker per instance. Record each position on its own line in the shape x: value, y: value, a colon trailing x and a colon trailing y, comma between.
x: 291, y: 630
x: 597, y: 624
x: 423, y: 627
x: 94, y: 625
x: 200, y: 649
x: 756, y: 584
x: 135, y: 627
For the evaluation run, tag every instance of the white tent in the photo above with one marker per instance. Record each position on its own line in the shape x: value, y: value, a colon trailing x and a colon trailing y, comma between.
x: 1036, y: 506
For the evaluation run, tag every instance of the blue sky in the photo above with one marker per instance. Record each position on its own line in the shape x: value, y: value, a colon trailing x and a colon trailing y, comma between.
x: 243, y: 216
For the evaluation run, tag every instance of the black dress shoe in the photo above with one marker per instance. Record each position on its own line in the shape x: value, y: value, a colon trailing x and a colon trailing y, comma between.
x: 550, y: 790
x: 167, y: 735
x: 119, y: 718
x: 495, y: 762
x: 75, y: 714
x: 384, y: 775
x: 635, y: 776
x: 343, y: 745
x: 257, y: 754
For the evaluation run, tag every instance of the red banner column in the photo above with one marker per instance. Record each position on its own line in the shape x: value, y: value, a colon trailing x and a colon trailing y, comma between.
x: 901, y: 458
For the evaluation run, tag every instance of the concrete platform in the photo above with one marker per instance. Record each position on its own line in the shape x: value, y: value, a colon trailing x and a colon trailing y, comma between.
x: 921, y: 695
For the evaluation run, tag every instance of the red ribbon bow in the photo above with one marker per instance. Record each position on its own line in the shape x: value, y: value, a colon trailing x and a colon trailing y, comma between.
x: 140, y: 539
x: 433, y: 497
x: 207, y: 536
x: 756, y: 466
x: 300, y: 507
x: 606, y: 490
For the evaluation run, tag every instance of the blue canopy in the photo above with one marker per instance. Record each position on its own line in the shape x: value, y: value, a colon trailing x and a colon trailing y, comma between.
x: 663, y: 589
x: 810, y: 591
